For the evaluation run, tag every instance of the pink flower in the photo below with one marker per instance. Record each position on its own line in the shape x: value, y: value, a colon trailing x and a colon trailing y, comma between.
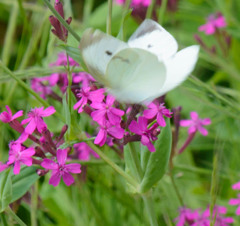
x: 144, y: 3
x: 106, y: 110
x: 35, y: 119
x: 186, y: 216
x: 158, y: 110
x: 60, y: 169
x: 236, y: 202
x: 84, y: 151
x: 195, y: 123
x: 105, y: 129
x: 214, y: 22
x: 3, y: 166
x: 147, y: 135
x: 218, y: 212
x: 84, y: 78
x: 236, y: 186
x: 38, y: 86
x: 7, y: 116
x: 19, y: 155
x: 85, y: 94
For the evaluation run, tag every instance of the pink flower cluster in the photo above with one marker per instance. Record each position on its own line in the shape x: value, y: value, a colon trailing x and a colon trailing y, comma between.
x: 214, y: 22
x: 196, y: 218
x: 45, y: 85
x: 237, y: 200
x: 106, y: 111
x: 44, y: 145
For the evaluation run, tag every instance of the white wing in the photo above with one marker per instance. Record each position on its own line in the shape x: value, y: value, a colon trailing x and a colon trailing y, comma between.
x: 179, y: 67
x: 154, y: 38
x: 135, y: 75
x: 97, y: 49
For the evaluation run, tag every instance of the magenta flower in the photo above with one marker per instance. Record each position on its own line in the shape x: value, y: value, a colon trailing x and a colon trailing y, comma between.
x: 84, y: 151
x: 7, y: 116
x: 196, y: 124
x: 235, y: 202
x: 35, y: 119
x: 147, y: 135
x: 19, y: 155
x: 84, y: 78
x: 158, y: 110
x: 218, y: 215
x: 105, y: 129
x: 106, y: 110
x: 214, y: 22
x: 38, y: 86
x: 135, y: 3
x: 3, y: 166
x: 236, y: 186
x: 60, y: 169
x: 186, y: 216
x: 85, y: 94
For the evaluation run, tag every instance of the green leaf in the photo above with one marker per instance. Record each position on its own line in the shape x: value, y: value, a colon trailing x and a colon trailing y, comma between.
x: 157, y: 162
x: 73, y: 52
x: 5, y: 189
x: 23, y: 181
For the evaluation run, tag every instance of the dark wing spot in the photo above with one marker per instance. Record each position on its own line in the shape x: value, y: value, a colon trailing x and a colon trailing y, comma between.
x: 122, y: 59
x: 149, y: 46
x: 108, y: 53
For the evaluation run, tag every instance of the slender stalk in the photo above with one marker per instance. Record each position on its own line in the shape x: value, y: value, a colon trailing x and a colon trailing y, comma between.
x: 15, y: 217
x: 8, y: 40
x: 148, y: 202
x: 34, y: 204
x: 3, y: 219
x: 137, y: 164
x: 162, y: 11
x: 109, y: 18
x: 88, y: 5
x: 128, y: 178
x: 63, y: 22
x: 213, y: 189
x: 150, y: 9
x: 176, y: 189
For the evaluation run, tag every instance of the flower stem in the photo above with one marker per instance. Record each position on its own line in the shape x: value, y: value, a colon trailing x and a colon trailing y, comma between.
x: 15, y: 217
x: 63, y: 22
x: 128, y: 178
x: 3, y: 219
x: 109, y: 17
x: 150, y: 9
x: 148, y: 202
x: 162, y: 11
x: 34, y: 203
x: 187, y: 142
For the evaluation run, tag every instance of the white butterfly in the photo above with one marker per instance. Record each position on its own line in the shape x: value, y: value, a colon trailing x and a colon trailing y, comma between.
x: 141, y: 70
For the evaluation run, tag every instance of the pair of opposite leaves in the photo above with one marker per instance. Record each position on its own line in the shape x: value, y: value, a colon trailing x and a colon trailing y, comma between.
x: 144, y: 68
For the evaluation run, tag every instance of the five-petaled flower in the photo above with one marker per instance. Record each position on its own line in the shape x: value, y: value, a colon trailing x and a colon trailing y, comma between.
x: 147, y: 134
x: 61, y: 169
x: 186, y: 215
x: 214, y: 22
x: 7, y: 116
x: 106, y: 111
x: 236, y: 202
x: 84, y: 151
x: 35, y: 119
x: 157, y: 110
x: 19, y: 155
x: 196, y: 124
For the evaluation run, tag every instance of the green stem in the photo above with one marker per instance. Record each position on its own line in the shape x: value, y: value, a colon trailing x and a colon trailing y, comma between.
x: 162, y: 11
x: 136, y: 162
x: 34, y: 204
x: 150, y: 9
x: 213, y: 189
x: 27, y: 88
x: 15, y: 217
x: 69, y: 95
x: 109, y: 17
x: 128, y: 178
x: 8, y: 40
x: 176, y: 189
x: 88, y: 5
x: 148, y: 202
x: 3, y: 219
x: 63, y: 22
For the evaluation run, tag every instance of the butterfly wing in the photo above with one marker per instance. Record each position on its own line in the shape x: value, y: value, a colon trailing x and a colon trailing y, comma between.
x: 97, y: 49
x: 135, y: 75
x: 179, y: 67
x: 152, y: 37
